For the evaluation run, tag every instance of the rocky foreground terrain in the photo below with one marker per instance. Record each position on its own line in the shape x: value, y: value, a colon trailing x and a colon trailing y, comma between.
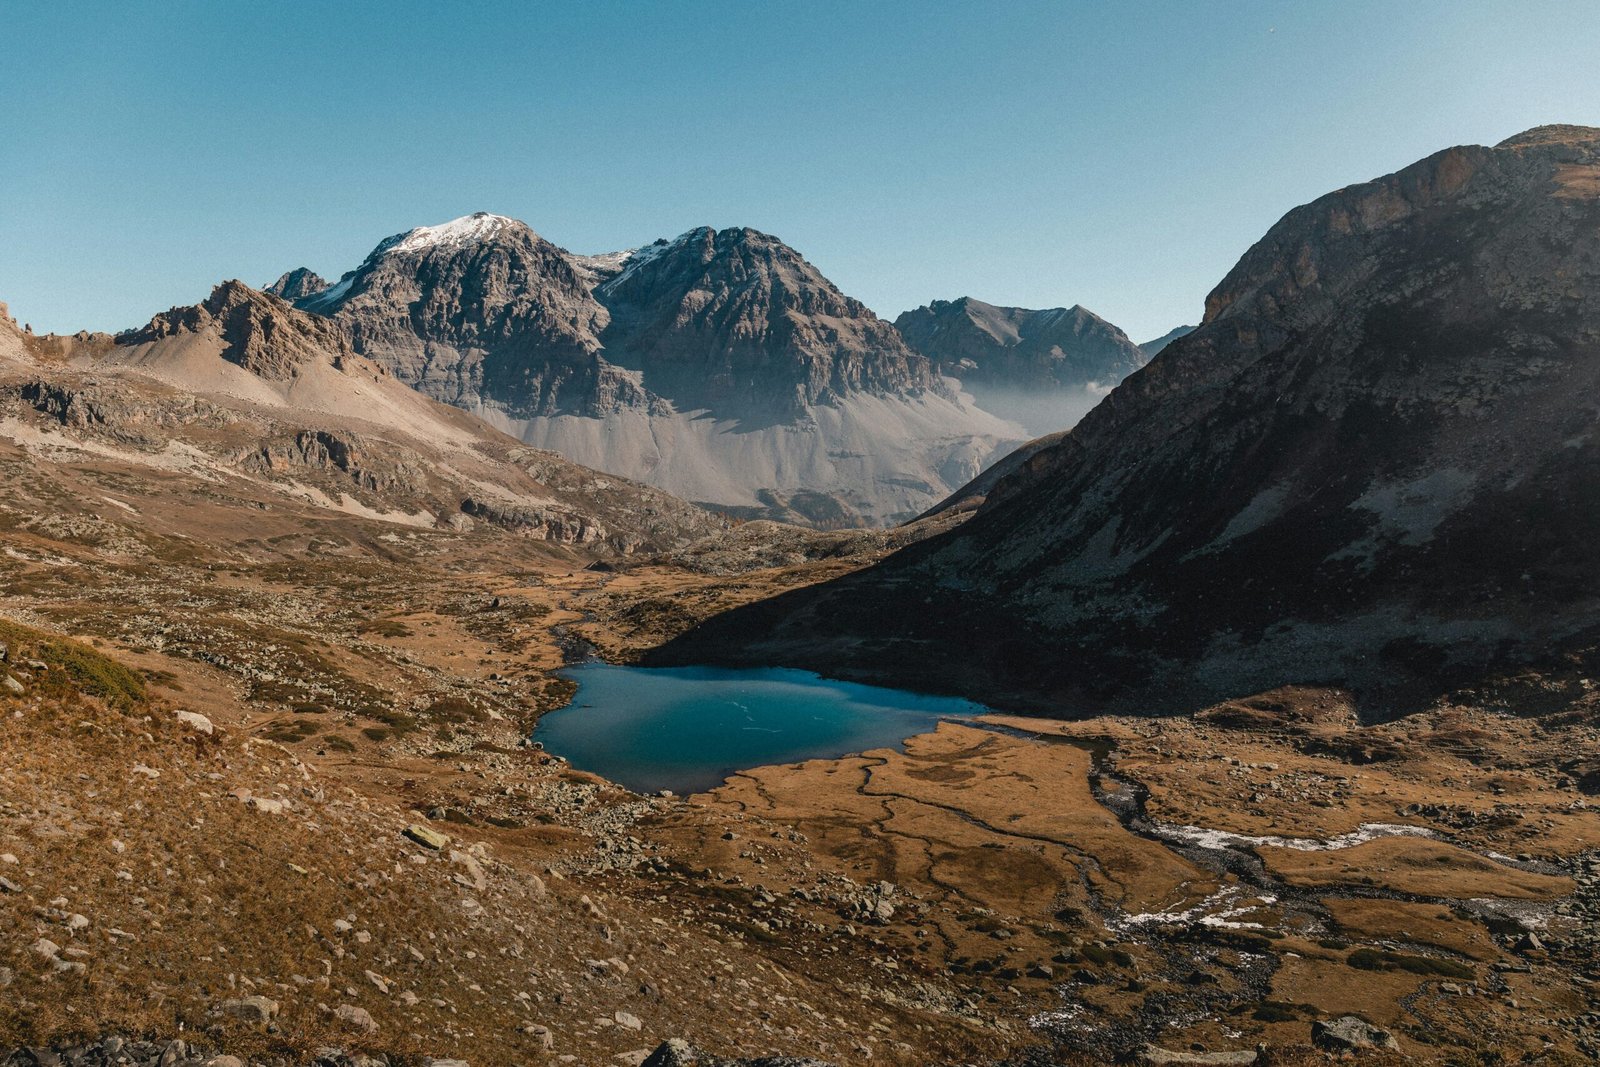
x: 274, y: 800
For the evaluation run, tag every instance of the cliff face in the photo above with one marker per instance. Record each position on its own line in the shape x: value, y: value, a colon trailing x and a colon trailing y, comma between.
x: 1373, y: 464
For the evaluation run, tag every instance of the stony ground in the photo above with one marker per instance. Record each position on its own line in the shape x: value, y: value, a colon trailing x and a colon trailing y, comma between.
x: 349, y: 847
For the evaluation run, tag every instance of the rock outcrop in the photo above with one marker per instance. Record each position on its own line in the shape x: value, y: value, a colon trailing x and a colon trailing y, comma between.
x: 258, y: 332
x: 1374, y: 464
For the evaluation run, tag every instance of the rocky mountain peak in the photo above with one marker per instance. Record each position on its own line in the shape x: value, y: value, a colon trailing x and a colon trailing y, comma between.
x: 262, y: 333
x: 728, y: 318
x: 1042, y: 368
x: 476, y: 228
x: 477, y: 307
x: 297, y: 284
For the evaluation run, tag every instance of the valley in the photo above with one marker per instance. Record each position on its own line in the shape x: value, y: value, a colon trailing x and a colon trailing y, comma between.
x: 1251, y: 719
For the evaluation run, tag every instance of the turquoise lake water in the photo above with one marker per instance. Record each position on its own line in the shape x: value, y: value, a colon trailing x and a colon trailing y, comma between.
x: 688, y: 728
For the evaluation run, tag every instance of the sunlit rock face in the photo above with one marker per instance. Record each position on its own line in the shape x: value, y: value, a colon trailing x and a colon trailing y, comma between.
x: 720, y: 366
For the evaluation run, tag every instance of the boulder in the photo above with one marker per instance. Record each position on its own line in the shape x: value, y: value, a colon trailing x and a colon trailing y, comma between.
x: 355, y: 1018
x: 196, y: 721
x: 426, y: 837
x: 1350, y: 1033
x: 255, y: 1009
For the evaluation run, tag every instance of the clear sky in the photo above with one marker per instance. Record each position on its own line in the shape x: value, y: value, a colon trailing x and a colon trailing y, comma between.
x: 1120, y: 155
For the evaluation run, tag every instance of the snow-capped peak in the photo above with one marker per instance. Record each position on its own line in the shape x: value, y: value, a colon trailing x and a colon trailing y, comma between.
x: 468, y: 229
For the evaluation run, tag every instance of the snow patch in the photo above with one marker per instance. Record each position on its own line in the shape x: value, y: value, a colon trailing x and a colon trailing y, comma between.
x: 1220, y: 839
x: 1220, y: 910
x: 638, y: 257
x: 321, y: 302
x: 468, y: 229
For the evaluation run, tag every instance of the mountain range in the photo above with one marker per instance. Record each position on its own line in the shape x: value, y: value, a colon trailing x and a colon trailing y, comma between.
x: 1372, y: 464
x: 720, y: 366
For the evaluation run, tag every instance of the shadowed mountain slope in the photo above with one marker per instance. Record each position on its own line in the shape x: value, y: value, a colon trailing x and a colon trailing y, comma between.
x: 1374, y: 464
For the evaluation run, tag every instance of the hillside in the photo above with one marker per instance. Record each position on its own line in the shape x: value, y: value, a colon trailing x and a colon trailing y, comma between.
x: 245, y: 392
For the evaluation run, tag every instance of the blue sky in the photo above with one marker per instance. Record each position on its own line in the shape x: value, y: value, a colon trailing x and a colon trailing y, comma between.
x: 1117, y: 155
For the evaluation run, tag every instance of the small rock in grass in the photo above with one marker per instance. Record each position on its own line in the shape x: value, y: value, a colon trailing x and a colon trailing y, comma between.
x: 255, y: 1009
x: 355, y: 1018
x: 196, y: 720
